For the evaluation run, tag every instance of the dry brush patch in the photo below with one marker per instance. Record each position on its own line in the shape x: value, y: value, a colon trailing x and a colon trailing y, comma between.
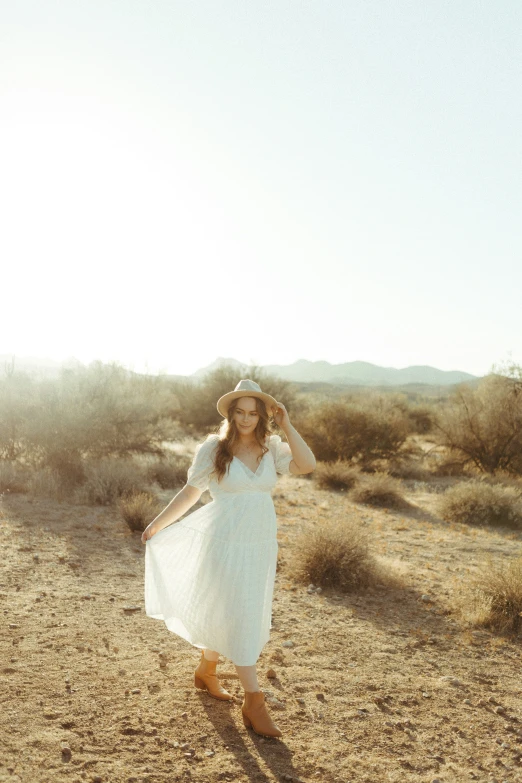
x: 13, y: 477
x: 338, y: 475
x: 379, y: 489
x: 138, y: 509
x: 169, y: 473
x: 336, y: 554
x: 483, y: 426
x: 365, y: 429
x: 493, y: 598
x: 477, y: 502
x: 109, y: 479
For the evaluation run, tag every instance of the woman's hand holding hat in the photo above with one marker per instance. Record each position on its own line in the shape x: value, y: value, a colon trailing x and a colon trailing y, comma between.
x: 281, y: 417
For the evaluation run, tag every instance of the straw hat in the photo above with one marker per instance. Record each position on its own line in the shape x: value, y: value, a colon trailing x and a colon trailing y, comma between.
x: 246, y: 388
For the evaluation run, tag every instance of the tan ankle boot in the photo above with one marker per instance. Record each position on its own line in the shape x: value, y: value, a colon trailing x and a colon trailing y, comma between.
x: 255, y: 715
x: 205, y: 678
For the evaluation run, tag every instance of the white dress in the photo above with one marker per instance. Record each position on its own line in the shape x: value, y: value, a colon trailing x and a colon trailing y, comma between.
x: 210, y: 576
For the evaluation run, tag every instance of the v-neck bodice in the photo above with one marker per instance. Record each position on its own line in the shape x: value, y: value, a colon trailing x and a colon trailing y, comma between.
x: 258, y: 469
x: 239, y: 478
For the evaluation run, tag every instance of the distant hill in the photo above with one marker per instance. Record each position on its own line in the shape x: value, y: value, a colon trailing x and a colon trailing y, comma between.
x: 352, y: 373
x: 219, y: 362
x: 360, y: 374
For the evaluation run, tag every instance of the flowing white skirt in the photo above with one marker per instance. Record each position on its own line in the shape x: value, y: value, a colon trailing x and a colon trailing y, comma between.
x: 210, y: 577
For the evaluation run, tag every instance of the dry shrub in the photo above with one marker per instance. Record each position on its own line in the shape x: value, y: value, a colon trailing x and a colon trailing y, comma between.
x: 362, y: 429
x: 483, y: 426
x: 421, y: 418
x: 494, y: 596
x: 479, y: 503
x: 444, y: 465
x: 502, y: 478
x: 335, y: 554
x: 408, y: 468
x: 379, y: 489
x: 13, y: 478
x: 138, y: 509
x: 169, y: 473
x: 109, y: 479
x: 336, y: 475
x: 46, y: 483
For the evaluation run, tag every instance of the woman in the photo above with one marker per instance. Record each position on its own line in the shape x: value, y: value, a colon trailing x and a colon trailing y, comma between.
x: 211, y: 577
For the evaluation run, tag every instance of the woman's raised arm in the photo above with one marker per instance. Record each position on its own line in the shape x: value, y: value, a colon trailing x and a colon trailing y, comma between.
x: 302, y: 455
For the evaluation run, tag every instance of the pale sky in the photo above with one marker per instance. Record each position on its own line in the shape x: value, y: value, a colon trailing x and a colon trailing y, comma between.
x: 336, y: 180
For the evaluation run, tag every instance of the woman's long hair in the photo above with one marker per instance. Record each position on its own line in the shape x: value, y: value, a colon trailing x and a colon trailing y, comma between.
x: 229, y: 436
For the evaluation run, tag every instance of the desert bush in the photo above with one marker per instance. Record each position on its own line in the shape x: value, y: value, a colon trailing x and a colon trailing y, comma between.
x: 335, y: 554
x: 109, y: 479
x: 44, y: 482
x: 336, y: 475
x: 137, y: 509
x: 197, y: 401
x: 445, y: 465
x: 379, y: 489
x: 88, y: 412
x: 421, y: 418
x: 494, y: 596
x: 483, y: 426
x: 407, y: 468
x: 13, y: 478
x: 478, y: 503
x: 170, y: 472
x: 360, y: 430
x: 502, y: 478
x: 16, y: 390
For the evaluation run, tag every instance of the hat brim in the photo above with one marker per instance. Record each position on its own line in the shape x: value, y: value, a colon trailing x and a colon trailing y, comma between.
x: 223, y: 403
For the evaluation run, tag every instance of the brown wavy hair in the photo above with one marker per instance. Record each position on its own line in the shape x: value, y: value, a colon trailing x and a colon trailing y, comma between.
x: 229, y: 436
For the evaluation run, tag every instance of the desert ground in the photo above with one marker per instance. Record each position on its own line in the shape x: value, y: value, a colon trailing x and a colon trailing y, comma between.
x: 387, y: 684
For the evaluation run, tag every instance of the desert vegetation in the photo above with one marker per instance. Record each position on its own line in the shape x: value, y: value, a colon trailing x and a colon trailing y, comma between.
x: 398, y: 601
x: 483, y: 427
x: 493, y: 596
x: 336, y: 554
x: 103, y: 436
x: 476, y: 502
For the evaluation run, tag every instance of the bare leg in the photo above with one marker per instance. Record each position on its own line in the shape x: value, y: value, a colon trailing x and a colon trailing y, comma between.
x: 248, y: 678
x: 211, y: 655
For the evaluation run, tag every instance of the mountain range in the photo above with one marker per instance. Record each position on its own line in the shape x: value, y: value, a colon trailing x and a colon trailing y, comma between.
x: 302, y: 371
x: 350, y: 373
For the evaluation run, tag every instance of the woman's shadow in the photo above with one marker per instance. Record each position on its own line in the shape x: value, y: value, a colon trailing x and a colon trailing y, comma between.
x: 274, y: 752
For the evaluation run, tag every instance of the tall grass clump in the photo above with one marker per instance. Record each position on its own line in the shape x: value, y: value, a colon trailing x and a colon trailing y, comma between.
x: 138, y: 509
x: 45, y: 482
x: 169, y: 473
x: 494, y: 596
x: 379, y: 489
x: 335, y: 554
x: 109, y: 479
x: 339, y: 475
x: 479, y: 503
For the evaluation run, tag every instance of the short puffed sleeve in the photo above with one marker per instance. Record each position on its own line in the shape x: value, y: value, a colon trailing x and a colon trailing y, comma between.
x: 281, y: 453
x: 198, y: 474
